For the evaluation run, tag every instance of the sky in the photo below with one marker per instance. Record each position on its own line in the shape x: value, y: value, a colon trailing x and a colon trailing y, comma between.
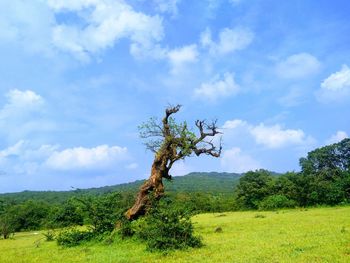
x: 77, y: 78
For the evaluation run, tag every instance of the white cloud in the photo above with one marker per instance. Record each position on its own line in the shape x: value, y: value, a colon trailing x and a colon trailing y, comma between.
x: 338, y: 81
x: 26, y: 100
x: 23, y: 157
x: 181, y: 56
x: 276, y: 137
x: 218, y: 88
x: 24, y: 113
x: 234, y: 124
x: 337, y: 137
x: 273, y: 136
x: 99, y: 157
x: 233, y: 160
x: 229, y: 40
x: 98, y: 25
x: 106, y: 23
x: 336, y: 86
x: 298, y: 66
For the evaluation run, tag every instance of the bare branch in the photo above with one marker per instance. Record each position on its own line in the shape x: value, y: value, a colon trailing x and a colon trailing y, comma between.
x: 168, y: 112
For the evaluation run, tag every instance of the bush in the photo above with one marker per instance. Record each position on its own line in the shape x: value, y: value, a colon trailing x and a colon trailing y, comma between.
x: 102, y: 212
x: 49, y: 235
x: 124, y: 226
x: 273, y: 202
x: 73, y: 237
x: 165, y: 228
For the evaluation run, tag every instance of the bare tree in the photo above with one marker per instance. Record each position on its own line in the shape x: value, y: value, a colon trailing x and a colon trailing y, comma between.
x: 171, y: 141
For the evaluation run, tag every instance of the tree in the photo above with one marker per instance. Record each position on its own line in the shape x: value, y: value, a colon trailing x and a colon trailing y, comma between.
x: 253, y: 187
x: 170, y: 141
x: 7, y: 225
x: 331, y: 157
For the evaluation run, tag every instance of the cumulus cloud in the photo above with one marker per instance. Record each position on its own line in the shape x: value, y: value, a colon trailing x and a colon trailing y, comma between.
x: 273, y: 136
x: 99, y: 157
x: 337, y: 137
x: 179, y: 57
x: 229, y: 40
x: 22, y: 114
x: 298, y: 66
x: 276, y: 137
x: 218, y: 88
x: 20, y: 102
x: 106, y: 22
x: 233, y: 124
x: 234, y: 160
x: 96, y: 26
x: 336, y: 86
x: 26, y: 158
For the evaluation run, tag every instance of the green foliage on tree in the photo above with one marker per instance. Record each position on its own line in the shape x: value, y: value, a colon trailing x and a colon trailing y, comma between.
x: 323, y: 180
x: 328, y: 158
x: 273, y: 202
x: 253, y: 187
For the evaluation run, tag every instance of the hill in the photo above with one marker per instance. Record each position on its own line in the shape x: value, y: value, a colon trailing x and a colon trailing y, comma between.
x: 213, y: 182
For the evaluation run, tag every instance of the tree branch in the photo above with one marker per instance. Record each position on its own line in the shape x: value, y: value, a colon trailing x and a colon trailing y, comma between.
x: 168, y: 112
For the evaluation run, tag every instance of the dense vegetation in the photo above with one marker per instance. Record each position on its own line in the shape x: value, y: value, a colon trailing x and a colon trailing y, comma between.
x: 324, y: 180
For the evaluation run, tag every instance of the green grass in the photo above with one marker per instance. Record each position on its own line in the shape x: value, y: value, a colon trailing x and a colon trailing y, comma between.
x: 313, y: 235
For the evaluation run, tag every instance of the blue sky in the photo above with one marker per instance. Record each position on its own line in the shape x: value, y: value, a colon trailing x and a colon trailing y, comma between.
x: 78, y: 76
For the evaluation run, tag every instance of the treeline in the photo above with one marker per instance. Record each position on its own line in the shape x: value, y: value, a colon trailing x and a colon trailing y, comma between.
x: 91, y: 209
x: 324, y: 180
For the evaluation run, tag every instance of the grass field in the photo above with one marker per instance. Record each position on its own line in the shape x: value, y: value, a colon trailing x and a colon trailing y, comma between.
x: 309, y: 235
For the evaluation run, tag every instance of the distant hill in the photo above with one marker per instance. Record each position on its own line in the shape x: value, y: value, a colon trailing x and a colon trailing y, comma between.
x: 213, y: 182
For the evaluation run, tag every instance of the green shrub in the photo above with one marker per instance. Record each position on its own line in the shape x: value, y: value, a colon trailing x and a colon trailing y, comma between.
x: 166, y: 228
x: 273, y: 202
x: 74, y: 237
x: 49, y: 235
x: 125, y: 227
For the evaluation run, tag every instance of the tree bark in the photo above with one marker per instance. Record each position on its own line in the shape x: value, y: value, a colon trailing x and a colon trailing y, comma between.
x: 154, y: 183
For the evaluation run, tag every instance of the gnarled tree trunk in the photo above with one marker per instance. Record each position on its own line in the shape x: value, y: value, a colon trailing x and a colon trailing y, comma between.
x: 176, y: 143
x: 153, y: 184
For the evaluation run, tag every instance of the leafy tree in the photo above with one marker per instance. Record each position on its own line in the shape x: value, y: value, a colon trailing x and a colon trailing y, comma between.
x: 331, y: 157
x: 253, y: 187
x: 67, y: 214
x: 102, y: 211
x: 7, y: 225
x: 170, y: 141
x: 273, y: 202
x: 30, y: 215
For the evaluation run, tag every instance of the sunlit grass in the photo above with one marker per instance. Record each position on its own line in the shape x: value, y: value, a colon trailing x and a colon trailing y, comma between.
x: 313, y: 235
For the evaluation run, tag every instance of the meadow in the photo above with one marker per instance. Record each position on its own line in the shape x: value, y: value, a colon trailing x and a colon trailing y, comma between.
x: 295, y: 235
